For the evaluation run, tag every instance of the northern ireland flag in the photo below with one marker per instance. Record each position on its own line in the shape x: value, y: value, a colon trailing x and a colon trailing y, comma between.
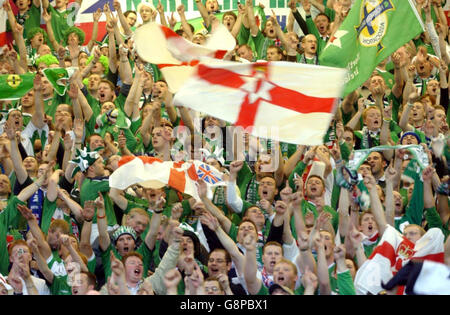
x: 392, y: 253
x: 284, y: 101
x: 176, y: 56
x: 150, y: 172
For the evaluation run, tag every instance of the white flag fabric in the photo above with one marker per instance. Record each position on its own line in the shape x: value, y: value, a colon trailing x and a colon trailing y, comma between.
x: 392, y: 253
x: 176, y: 56
x: 150, y: 172
x: 294, y: 102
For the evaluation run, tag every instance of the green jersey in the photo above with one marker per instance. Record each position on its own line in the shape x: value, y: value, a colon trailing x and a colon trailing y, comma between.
x: 9, y: 220
x: 62, y: 20
x: 89, y: 191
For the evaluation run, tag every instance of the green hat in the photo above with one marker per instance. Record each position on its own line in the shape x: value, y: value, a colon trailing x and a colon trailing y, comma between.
x: 124, y: 230
x: 48, y: 60
x: 103, y: 60
x: 33, y: 31
x: 76, y: 30
x: 84, y: 159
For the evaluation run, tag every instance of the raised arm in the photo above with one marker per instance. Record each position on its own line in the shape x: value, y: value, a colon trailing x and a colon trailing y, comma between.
x: 36, y: 231
x: 251, y: 18
x: 38, y: 116
x: 184, y: 23
x: 16, y: 158
x: 85, y: 237
x: 322, y: 266
x: 216, y: 212
x: 230, y: 246
x: 51, y: 35
x: 123, y: 21
x: 354, y: 121
x: 96, y: 17
x: 74, y: 206
x: 162, y: 17
x: 238, y: 24
x: 124, y: 66
x: 403, y: 123
x: 203, y: 12
x: 65, y: 240
x: 42, y: 264
x: 52, y: 190
x: 250, y: 266
x: 155, y: 222
x: 375, y: 204
x: 390, y: 175
x: 102, y: 223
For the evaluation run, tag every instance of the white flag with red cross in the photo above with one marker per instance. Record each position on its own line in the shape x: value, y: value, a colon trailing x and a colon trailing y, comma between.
x: 292, y: 102
x: 392, y: 253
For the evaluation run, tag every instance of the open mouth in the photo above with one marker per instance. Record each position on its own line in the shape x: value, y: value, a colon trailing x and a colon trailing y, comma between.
x: 370, y: 228
x: 126, y: 249
x: 75, y: 291
x: 137, y: 272
x: 265, y: 194
x: 213, y: 270
x: 280, y: 279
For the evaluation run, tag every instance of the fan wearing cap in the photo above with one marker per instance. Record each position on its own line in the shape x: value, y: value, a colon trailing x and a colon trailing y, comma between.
x: 90, y: 163
x: 147, y: 12
x: 125, y: 237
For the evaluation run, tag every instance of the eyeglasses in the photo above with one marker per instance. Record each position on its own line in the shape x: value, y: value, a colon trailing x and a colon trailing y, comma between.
x: 213, y: 289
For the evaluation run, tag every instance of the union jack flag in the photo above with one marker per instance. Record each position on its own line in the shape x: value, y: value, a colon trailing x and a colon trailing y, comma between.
x: 205, y: 172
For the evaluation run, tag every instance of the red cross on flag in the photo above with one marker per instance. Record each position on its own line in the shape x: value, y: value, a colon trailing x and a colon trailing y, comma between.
x: 176, y: 56
x: 292, y: 102
x: 393, y: 251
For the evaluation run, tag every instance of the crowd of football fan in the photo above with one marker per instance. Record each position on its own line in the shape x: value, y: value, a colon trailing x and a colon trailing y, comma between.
x: 290, y: 219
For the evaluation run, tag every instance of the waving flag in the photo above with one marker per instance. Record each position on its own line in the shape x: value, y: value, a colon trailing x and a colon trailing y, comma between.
x: 392, y: 253
x: 295, y: 101
x: 154, y: 173
x: 14, y: 86
x: 176, y: 56
x: 371, y: 32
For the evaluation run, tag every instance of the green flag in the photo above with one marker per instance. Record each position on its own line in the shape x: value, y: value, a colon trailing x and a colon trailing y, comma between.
x: 14, y: 86
x: 372, y: 31
x: 59, y: 78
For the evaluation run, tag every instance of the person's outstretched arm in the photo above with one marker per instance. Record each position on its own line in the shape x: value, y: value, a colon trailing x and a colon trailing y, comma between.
x: 375, y: 204
x: 250, y: 266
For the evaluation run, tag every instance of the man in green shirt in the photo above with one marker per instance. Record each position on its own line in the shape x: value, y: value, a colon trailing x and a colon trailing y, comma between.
x: 309, y: 45
x: 62, y: 16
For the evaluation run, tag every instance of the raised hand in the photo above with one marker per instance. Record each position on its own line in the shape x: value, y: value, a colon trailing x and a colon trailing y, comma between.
x: 339, y: 252
x: 97, y: 14
x: 250, y: 242
x: 309, y: 279
x: 177, y: 211
x: 427, y: 173
x: 172, y: 278
x: 88, y: 210
x: 209, y: 220
x: 370, y: 182
x: 280, y: 207
x: 26, y: 212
